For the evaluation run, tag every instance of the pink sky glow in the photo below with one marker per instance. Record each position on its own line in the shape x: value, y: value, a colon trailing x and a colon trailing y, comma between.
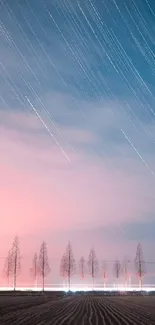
x: 43, y: 196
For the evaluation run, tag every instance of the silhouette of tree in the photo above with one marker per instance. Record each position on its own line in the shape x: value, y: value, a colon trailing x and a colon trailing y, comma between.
x: 125, y: 270
x: 93, y: 265
x: 35, y: 268
x: 82, y: 267
x: 7, y: 267
x: 69, y: 263
x: 104, y: 272
x: 63, y: 267
x: 15, y: 260
x: 117, y: 269
x: 43, y: 265
x: 139, y: 264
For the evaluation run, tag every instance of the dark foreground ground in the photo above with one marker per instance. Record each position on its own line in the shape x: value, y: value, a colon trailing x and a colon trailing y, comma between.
x: 77, y: 310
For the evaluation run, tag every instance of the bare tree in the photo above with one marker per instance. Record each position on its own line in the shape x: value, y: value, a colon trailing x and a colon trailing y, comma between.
x: 117, y: 269
x: 93, y: 265
x: 140, y: 264
x: 125, y: 270
x: 15, y: 260
x: 82, y: 267
x: 35, y: 268
x: 63, y: 267
x: 43, y: 265
x: 104, y: 272
x: 7, y: 267
x: 69, y: 263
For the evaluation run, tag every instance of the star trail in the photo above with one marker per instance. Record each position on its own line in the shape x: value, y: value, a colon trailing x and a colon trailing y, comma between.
x: 108, y: 53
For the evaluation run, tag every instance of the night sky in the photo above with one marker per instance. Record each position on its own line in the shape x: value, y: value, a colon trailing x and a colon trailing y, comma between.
x: 77, y: 128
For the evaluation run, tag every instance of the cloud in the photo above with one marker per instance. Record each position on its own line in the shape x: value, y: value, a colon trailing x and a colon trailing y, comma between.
x: 45, y: 191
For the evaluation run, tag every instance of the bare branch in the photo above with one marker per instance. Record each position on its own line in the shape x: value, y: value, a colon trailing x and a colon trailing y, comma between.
x: 125, y: 270
x: 43, y: 266
x: 69, y: 265
x: 117, y: 269
x: 104, y: 272
x: 93, y: 265
x: 63, y: 266
x: 82, y: 267
x: 15, y: 260
x: 35, y: 268
x: 140, y: 264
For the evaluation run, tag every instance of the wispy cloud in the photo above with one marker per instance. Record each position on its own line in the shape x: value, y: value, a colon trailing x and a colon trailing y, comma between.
x: 87, y: 191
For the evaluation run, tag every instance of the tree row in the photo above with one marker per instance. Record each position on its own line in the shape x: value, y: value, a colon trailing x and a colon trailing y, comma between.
x: 68, y: 266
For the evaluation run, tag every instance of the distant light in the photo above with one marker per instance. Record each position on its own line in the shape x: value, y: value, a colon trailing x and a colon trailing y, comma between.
x: 83, y: 288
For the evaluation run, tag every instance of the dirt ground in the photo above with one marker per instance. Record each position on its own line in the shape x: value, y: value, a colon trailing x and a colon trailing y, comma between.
x: 77, y: 310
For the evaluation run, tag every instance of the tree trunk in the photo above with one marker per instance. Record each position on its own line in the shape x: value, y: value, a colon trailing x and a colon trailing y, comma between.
x: 14, y: 282
x: 93, y: 282
x: 140, y: 283
x: 36, y: 282
x: 43, y: 284
x: 69, y: 282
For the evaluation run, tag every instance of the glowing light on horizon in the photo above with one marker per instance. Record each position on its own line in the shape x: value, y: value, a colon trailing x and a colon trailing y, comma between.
x: 84, y: 288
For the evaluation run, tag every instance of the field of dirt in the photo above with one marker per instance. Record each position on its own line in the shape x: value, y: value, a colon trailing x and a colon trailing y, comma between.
x: 77, y: 310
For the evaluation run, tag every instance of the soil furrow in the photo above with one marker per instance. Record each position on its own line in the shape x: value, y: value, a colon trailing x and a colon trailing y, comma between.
x: 77, y: 310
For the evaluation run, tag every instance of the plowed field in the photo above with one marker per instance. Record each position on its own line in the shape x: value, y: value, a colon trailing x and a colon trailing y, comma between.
x: 77, y: 310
